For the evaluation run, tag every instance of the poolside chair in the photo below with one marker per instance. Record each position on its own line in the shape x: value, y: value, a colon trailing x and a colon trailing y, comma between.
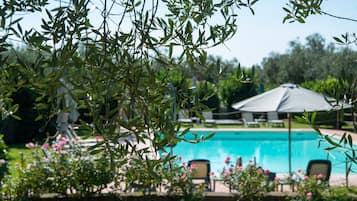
x: 247, y: 118
x: 201, y: 169
x: 208, y: 118
x: 228, y: 122
x: 274, y: 121
x: 316, y: 167
x: 183, y: 117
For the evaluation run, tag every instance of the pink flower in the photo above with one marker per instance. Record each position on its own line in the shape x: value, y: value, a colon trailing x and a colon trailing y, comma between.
x: 179, y: 158
x: 98, y: 138
x: 64, y: 139
x: 306, y: 177
x: 299, y: 171
x: 2, y: 162
x: 30, y: 145
x: 320, y: 176
x: 276, y: 179
x: 309, y: 194
x: 193, y: 166
x: 45, y: 146
x: 266, y: 171
x: 225, y: 175
x: 230, y: 169
x: 212, y: 173
x: 228, y: 159
x: 62, y: 142
x: 63, y: 152
x: 57, y: 147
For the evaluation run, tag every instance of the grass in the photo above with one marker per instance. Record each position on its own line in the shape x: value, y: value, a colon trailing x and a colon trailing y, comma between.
x: 16, y: 154
x: 343, y: 190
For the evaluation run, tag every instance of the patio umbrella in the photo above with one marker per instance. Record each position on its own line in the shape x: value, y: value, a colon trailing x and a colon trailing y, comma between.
x: 287, y: 98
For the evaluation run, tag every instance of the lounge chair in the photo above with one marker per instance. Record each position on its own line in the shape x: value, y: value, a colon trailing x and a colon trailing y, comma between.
x: 208, y: 118
x: 201, y: 169
x: 274, y: 121
x: 183, y: 117
x: 228, y: 122
x: 247, y: 118
x: 316, y: 167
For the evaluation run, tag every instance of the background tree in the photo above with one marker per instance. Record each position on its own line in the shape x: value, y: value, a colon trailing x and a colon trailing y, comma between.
x: 238, y: 86
x: 104, y: 53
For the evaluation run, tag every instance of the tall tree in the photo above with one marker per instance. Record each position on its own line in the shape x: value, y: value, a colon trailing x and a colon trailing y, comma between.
x: 103, y: 52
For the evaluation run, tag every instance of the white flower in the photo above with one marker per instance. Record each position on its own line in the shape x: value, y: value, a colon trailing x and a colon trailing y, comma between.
x: 2, y: 162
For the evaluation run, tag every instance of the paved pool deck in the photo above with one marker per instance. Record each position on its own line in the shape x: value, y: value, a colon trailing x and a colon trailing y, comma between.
x: 340, y: 133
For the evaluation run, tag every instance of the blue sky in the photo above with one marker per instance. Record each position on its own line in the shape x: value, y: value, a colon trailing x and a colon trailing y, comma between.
x: 263, y: 33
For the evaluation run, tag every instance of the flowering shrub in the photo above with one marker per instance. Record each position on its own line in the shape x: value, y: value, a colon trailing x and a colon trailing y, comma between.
x: 179, y: 178
x: 251, y: 182
x: 54, y: 169
x: 312, y: 188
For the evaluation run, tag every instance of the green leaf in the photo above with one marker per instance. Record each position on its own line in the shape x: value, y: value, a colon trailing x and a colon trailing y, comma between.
x: 15, y: 117
x: 350, y: 140
x: 332, y: 142
x: 338, y: 40
x: 330, y: 148
x: 19, y: 28
x: 39, y: 117
x: 301, y: 20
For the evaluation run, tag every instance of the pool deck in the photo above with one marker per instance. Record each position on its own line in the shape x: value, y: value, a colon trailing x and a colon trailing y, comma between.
x: 324, y: 131
x: 340, y: 133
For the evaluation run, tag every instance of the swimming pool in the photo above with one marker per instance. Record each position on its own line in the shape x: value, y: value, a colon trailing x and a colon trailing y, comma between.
x: 268, y: 148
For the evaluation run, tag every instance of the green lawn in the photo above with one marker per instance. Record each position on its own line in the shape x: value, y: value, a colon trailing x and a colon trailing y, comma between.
x: 17, y: 152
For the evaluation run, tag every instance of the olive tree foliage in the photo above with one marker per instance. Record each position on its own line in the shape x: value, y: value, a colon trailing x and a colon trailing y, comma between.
x: 103, y: 52
x: 346, y: 85
x: 341, y: 63
x: 238, y: 86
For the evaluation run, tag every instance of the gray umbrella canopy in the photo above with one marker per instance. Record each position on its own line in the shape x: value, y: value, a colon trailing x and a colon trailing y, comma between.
x: 288, y: 98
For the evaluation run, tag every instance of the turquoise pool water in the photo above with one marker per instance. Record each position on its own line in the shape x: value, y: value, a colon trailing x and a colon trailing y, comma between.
x: 268, y: 148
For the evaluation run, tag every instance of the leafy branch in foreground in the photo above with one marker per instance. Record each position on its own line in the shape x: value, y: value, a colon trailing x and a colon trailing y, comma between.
x: 345, y: 143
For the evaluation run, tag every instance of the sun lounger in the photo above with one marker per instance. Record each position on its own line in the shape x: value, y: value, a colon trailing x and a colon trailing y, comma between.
x: 201, y: 169
x: 183, y: 117
x: 274, y: 121
x: 228, y: 122
x: 208, y: 118
x: 247, y: 118
x: 319, y: 167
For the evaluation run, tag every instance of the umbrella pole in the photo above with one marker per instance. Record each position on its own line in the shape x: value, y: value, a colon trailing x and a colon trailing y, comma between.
x: 289, y: 139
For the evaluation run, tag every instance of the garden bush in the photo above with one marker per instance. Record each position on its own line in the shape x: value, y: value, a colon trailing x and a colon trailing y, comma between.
x: 54, y: 169
x: 251, y: 182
